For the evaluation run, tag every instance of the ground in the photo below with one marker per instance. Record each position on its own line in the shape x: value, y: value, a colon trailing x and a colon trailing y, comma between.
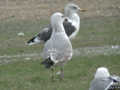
x: 97, y: 44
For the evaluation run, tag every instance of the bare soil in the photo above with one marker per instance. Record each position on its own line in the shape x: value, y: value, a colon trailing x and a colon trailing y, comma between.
x: 42, y: 9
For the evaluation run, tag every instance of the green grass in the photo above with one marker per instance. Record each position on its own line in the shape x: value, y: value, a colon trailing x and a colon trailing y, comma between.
x: 98, y: 32
x: 12, y: 42
x: 30, y: 75
x: 94, y: 32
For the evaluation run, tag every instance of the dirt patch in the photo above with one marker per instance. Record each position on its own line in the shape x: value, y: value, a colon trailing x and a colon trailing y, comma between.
x: 37, y: 9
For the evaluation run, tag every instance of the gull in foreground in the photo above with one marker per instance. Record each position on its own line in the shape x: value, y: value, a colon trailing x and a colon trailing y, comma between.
x: 71, y: 25
x: 58, y: 49
x: 104, y: 81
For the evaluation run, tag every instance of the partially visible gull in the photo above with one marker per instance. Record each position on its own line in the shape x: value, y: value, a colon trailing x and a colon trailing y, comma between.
x: 58, y: 49
x: 104, y: 81
x: 71, y: 25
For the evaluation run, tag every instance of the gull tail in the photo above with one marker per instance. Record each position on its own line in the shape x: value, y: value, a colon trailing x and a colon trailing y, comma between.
x: 48, y: 63
x: 34, y: 40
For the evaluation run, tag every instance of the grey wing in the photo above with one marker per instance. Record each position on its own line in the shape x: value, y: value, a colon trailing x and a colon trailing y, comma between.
x: 58, y: 49
x: 116, y: 83
x: 45, y: 34
x: 42, y: 36
x: 47, y: 49
x: 100, y: 84
x: 69, y: 28
x: 115, y: 78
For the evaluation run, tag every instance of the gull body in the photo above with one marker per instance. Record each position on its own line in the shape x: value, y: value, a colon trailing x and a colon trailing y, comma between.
x: 103, y: 80
x: 71, y: 11
x: 71, y: 25
x: 58, y: 49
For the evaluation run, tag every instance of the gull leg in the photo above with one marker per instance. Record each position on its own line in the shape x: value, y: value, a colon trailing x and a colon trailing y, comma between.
x: 53, y: 75
x: 62, y: 73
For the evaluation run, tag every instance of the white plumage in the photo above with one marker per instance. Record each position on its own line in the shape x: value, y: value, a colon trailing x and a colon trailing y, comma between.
x: 71, y: 25
x: 102, y: 72
x: 104, y: 81
x: 58, y: 49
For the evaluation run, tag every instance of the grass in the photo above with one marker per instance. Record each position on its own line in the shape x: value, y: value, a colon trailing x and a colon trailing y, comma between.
x: 98, y: 32
x: 30, y: 75
x: 94, y: 32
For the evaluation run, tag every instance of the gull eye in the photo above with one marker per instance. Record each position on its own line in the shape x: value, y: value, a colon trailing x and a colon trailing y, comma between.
x: 74, y: 7
x: 62, y: 16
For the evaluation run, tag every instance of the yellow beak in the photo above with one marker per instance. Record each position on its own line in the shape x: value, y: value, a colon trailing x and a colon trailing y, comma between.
x: 82, y: 10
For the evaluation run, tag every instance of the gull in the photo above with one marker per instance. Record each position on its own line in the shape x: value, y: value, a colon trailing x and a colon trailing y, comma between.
x: 104, y: 81
x: 58, y: 49
x: 71, y: 25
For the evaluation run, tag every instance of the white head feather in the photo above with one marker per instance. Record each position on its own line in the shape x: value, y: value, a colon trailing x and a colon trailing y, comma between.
x: 57, y: 21
x: 70, y: 9
x: 102, y: 72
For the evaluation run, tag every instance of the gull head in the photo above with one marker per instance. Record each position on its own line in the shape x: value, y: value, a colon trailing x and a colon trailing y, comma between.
x: 72, y: 8
x: 57, y: 19
x: 102, y: 72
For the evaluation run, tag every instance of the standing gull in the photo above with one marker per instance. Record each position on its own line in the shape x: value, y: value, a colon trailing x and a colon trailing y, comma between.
x: 58, y: 49
x: 71, y: 25
x: 104, y: 81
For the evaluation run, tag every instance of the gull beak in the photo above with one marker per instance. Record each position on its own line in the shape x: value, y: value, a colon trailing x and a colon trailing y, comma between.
x: 82, y: 10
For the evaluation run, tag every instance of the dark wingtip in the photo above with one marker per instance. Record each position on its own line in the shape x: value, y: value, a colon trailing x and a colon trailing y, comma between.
x: 31, y: 40
x: 48, y: 63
